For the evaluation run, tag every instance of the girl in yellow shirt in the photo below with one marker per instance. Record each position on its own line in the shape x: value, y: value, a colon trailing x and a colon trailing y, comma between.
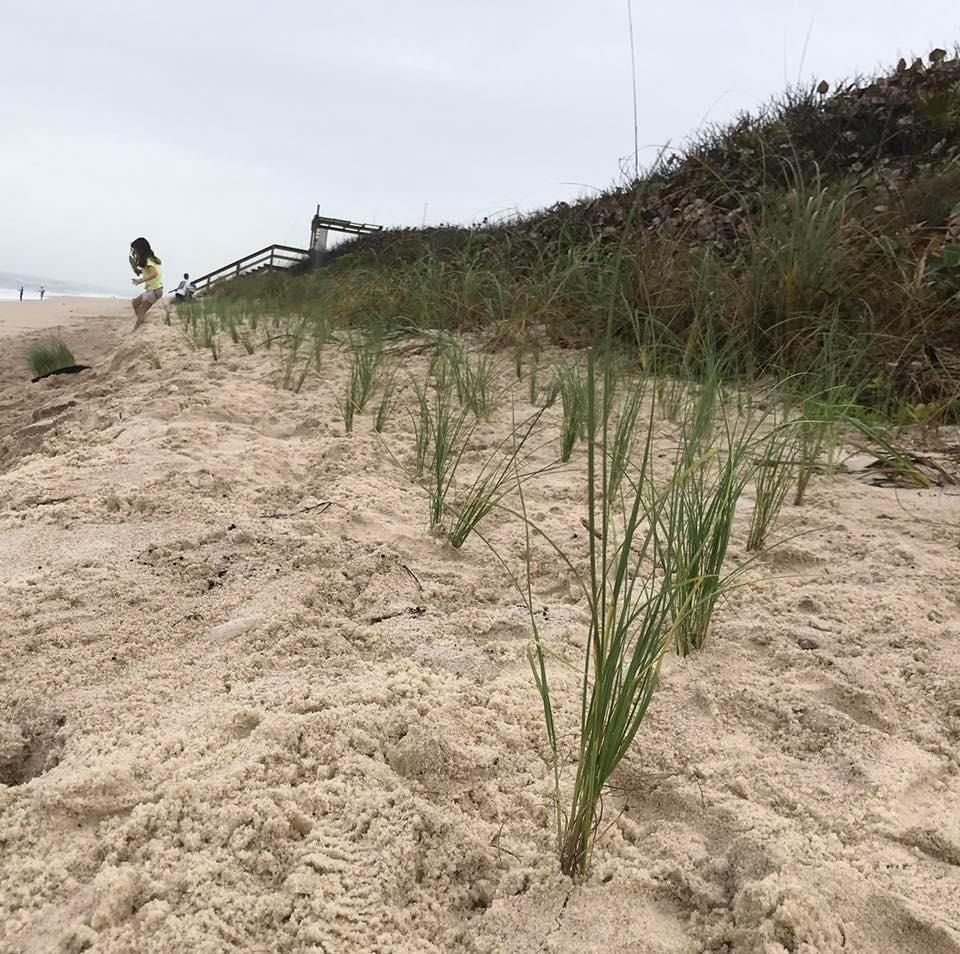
x: 146, y: 265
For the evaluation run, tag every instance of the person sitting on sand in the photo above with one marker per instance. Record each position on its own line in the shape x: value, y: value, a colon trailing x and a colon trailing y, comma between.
x: 185, y: 289
x: 145, y: 263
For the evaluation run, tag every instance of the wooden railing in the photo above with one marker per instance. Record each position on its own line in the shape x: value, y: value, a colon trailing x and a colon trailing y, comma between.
x: 273, y: 257
x: 343, y: 225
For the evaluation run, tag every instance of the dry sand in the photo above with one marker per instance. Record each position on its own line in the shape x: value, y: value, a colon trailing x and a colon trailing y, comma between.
x: 231, y: 719
x: 57, y: 315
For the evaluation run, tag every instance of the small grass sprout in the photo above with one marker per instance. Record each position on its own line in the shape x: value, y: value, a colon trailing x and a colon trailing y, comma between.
x: 813, y: 438
x: 422, y: 430
x: 623, y: 436
x: 366, y: 358
x: 296, y: 364
x: 533, y: 379
x: 550, y: 394
x: 572, y: 390
x: 441, y: 364
x: 672, y: 396
x: 386, y: 405
x: 476, y: 380
x: 519, y: 353
x: 492, y: 483
x: 775, y: 471
x: 449, y: 433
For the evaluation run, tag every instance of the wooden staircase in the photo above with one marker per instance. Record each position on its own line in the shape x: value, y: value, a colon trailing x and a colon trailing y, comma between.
x: 273, y: 257
x: 279, y: 257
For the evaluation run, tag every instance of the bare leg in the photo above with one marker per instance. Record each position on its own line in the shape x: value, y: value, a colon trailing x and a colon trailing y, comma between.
x: 143, y: 303
x: 140, y: 308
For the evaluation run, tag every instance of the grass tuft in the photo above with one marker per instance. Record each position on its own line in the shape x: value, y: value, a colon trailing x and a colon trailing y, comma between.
x: 775, y: 471
x: 49, y: 356
x: 366, y: 359
x: 492, y: 483
x: 449, y: 433
x: 476, y: 379
x: 573, y: 390
x: 700, y: 514
x: 387, y: 404
x: 631, y: 604
x: 624, y: 434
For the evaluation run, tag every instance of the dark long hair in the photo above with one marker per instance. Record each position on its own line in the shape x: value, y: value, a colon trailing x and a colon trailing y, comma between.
x: 141, y: 253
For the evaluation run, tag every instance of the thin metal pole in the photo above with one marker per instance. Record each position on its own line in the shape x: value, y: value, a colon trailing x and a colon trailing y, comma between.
x: 633, y: 69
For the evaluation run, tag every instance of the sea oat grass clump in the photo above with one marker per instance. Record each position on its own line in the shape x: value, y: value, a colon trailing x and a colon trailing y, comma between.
x: 631, y: 603
x: 699, y: 523
x: 365, y: 363
x: 493, y: 482
x: 624, y: 434
x: 449, y: 433
x: 573, y: 398
x: 48, y: 357
x: 476, y: 379
x: 776, y: 470
x: 387, y: 403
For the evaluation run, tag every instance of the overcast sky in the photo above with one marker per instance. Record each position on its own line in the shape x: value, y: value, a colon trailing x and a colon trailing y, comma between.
x: 215, y: 127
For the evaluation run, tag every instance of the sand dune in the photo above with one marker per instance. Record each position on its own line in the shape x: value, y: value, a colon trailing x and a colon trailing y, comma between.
x: 234, y: 719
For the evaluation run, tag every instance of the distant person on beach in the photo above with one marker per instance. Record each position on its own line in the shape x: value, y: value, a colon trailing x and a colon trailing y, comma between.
x: 43, y: 291
x: 185, y: 289
x: 146, y: 265
x: 21, y: 293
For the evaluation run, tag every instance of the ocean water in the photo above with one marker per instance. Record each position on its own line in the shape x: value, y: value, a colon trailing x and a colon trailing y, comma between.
x: 10, y: 283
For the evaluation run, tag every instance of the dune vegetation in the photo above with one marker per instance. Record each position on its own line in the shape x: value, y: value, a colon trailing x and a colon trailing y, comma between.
x: 786, y: 280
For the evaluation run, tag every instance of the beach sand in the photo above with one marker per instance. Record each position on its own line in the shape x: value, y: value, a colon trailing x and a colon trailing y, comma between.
x: 233, y: 718
x: 54, y: 313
